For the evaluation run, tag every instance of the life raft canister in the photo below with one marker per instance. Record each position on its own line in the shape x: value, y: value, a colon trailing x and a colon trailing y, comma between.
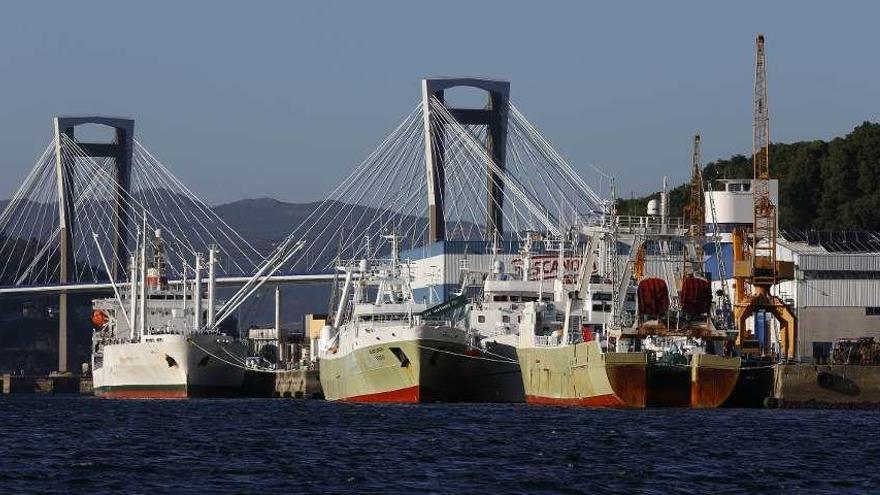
x: 653, y: 297
x: 695, y: 295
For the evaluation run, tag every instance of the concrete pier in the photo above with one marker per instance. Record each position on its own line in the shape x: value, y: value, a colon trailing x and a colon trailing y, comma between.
x: 299, y: 383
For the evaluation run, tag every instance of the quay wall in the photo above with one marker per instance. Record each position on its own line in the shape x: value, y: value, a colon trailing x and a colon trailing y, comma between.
x: 831, y: 386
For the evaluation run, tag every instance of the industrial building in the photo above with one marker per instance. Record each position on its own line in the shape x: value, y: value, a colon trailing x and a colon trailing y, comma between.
x: 836, y: 290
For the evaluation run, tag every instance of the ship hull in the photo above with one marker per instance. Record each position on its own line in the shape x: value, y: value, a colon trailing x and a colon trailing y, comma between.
x: 169, y: 367
x: 573, y: 375
x: 403, y: 371
x: 754, y: 385
x: 713, y: 379
x: 492, y: 374
x: 581, y: 375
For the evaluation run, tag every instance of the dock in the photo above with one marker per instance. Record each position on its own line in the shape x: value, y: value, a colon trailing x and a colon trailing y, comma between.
x: 298, y: 384
x: 40, y: 384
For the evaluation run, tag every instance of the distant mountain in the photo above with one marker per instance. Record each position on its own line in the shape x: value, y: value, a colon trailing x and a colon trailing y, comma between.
x: 264, y: 221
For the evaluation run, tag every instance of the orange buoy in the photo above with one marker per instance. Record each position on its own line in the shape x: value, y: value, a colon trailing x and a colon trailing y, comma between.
x: 99, y: 318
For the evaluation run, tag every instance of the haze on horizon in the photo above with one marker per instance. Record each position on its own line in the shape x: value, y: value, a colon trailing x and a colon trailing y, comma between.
x: 284, y: 99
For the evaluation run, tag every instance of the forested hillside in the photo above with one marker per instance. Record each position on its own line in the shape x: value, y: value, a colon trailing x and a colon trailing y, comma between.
x: 823, y: 185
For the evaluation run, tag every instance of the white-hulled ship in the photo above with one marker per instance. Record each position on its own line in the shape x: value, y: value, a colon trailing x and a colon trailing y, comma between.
x: 382, y: 346
x: 150, y: 340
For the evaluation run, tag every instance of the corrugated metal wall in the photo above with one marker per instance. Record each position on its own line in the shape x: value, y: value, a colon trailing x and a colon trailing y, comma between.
x: 838, y: 292
x: 839, y: 262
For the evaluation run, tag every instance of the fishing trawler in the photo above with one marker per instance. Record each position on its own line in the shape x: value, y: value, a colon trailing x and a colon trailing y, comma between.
x: 149, y: 340
x: 574, y: 352
x: 383, y: 346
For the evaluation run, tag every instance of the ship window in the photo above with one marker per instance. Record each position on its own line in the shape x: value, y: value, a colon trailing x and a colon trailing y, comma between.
x: 872, y: 311
x: 481, y: 319
x: 519, y: 318
x: 505, y: 319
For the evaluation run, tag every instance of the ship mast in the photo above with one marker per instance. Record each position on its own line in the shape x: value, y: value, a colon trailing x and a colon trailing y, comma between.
x: 142, y: 280
x: 695, y: 214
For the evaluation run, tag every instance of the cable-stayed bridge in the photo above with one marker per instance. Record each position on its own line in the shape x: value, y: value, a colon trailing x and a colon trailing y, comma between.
x: 442, y: 174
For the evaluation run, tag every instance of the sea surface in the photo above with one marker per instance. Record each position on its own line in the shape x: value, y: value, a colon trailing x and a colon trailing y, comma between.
x: 56, y: 444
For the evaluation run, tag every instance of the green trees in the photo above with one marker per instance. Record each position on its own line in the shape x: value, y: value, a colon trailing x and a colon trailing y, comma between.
x: 822, y: 185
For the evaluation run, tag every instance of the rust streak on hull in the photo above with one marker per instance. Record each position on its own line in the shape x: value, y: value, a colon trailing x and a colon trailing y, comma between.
x: 712, y: 386
x: 610, y: 400
x: 630, y: 384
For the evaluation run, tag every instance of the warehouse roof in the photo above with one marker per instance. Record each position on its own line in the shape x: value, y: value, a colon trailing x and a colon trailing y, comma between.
x: 824, y: 241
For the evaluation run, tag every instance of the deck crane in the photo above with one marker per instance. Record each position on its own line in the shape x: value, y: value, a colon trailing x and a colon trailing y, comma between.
x: 695, y: 220
x: 757, y: 266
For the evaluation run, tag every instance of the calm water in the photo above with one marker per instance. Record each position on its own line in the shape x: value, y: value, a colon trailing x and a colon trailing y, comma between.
x: 87, y: 445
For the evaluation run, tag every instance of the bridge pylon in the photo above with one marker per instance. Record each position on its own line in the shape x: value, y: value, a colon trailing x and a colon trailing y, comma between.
x: 494, y: 117
x: 121, y: 151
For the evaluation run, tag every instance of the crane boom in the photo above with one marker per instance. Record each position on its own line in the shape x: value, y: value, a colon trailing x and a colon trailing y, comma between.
x: 764, y: 235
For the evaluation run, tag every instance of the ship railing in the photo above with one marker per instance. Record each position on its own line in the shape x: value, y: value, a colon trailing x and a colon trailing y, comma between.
x: 501, y: 329
x: 654, y: 224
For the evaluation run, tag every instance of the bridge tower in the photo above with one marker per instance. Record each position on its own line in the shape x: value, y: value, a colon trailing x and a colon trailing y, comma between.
x: 121, y: 151
x: 494, y: 116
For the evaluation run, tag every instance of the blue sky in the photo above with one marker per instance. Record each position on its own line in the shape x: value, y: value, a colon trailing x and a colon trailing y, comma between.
x: 282, y: 99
